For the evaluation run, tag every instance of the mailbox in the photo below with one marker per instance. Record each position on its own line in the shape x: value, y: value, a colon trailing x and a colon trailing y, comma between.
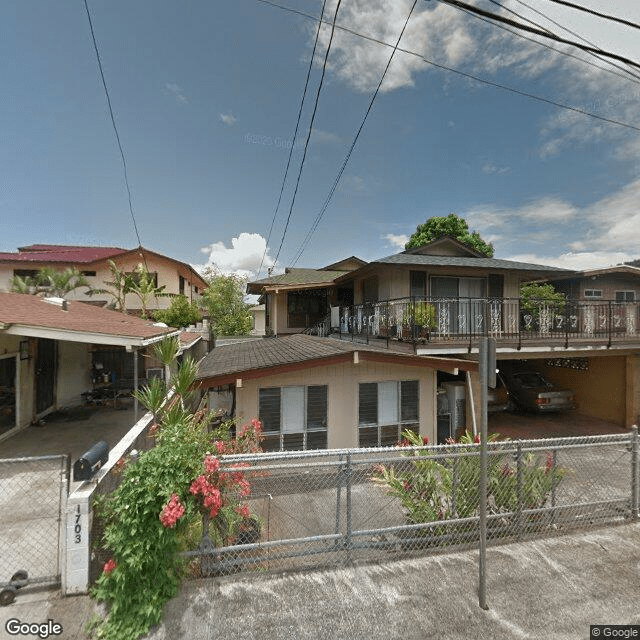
x: 91, y: 461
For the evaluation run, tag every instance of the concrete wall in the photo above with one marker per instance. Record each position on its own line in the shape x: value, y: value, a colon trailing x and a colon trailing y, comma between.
x: 600, y: 391
x: 74, y: 373
x: 342, y: 400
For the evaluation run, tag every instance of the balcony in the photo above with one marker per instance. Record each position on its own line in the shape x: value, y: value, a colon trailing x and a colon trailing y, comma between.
x: 456, y: 324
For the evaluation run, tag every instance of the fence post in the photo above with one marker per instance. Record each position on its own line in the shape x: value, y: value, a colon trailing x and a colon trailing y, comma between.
x: 519, y: 487
x: 339, y: 494
x: 554, y: 482
x: 634, y: 472
x: 347, y: 541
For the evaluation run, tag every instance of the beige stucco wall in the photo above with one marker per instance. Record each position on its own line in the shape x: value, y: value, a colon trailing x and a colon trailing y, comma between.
x: 633, y: 390
x: 74, y: 373
x: 342, y: 399
x: 600, y: 391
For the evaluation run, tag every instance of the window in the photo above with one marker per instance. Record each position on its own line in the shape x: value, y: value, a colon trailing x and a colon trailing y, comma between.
x: 385, y: 410
x: 306, y: 308
x: 625, y: 296
x: 593, y: 293
x: 181, y: 285
x: 153, y: 276
x: 25, y: 273
x: 293, y: 417
x: 89, y: 273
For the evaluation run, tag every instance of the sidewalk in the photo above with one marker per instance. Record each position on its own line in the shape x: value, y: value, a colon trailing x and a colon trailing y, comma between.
x: 551, y: 588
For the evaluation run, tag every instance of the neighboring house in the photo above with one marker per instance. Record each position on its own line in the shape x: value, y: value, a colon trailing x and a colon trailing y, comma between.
x: 258, y: 313
x: 177, y: 277
x: 440, y: 299
x: 313, y: 393
x: 53, y: 351
x: 620, y: 283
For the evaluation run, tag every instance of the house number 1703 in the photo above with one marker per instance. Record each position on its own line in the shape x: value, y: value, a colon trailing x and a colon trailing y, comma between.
x: 77, y: 529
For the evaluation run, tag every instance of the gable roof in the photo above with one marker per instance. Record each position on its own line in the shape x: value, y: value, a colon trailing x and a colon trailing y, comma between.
x: 449, y: 241
x: 60, y: 253
x: 26, y: 315
x: 268, y: 356
x: 296, y: 279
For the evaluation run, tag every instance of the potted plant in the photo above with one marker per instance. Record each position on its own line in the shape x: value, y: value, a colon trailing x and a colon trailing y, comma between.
x: 424, y: 317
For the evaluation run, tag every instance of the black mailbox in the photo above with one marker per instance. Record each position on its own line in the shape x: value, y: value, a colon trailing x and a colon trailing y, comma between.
x: 91, y: 461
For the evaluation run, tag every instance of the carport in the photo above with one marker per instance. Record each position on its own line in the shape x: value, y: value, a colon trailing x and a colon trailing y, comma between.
x: 52, y: 343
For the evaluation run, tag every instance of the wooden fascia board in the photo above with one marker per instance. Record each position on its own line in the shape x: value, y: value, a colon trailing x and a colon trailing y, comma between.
x: 441, y: 364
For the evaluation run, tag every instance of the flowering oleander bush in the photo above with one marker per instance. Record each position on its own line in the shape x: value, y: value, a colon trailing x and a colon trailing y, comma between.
x: 161, y: 495
x: 434, y: 487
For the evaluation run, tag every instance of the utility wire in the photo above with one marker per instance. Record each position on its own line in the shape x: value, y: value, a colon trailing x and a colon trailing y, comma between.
x: 313, y: 116
x: 539, y: 32
x: 626, y: 75
x: 336, y: 181
x: 626, y: 71
x: 628, y: 23
x: 295, y: 136
x: 464, y: 74
x: 113, y: 122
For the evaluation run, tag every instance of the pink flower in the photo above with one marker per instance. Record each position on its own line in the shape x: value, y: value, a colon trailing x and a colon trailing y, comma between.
x: 257, y: 425
x: 243, y: 510
x: 220, y: 446
x: 477, y: 439
x: 109, y: 566
x: 245, y: 488
x: 211, y: 464
x: 153, y: 429
x: 425, y: 440
x: 172, y: 512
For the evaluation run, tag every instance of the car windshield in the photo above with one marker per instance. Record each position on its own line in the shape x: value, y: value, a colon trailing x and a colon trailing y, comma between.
x: 530, y: 380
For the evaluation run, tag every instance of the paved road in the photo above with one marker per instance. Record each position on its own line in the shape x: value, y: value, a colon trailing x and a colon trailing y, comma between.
x: 553, y: 588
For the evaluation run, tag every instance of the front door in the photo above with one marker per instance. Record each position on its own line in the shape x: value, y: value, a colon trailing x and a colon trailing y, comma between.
x: 46, y: 362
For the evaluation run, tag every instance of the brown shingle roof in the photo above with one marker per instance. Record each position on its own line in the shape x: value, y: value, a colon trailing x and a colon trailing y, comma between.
x: 272, y: 353
x: 296, y: 278
x: 32, y: 311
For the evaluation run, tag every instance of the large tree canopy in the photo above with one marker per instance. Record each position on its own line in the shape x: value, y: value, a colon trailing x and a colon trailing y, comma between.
x: 450, y: 225
x: 224, y: 299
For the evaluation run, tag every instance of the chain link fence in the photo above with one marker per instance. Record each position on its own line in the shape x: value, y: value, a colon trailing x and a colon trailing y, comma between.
x: 328, y: 508
x: 33, y: 494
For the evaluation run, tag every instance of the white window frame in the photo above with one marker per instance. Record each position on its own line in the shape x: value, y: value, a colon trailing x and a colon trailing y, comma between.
x: 593, y: 293
x: 381, y: 411
x: 288, y: 418
x: 626, y: 292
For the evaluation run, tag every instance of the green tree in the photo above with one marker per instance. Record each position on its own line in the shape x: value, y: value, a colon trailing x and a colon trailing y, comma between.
x: 118, y: 287
x: 224, y: 300
x: 181, y: 313
x: 143, y: 285
x: 536, y: 296
x: 51, y: 281
x: 451, y: 225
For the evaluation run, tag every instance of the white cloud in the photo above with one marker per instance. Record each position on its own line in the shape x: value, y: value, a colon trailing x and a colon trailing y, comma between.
x: 490, y: 168
x: 228, y: 118
x: 578, y: 261
x: 243, y: 258
x: 396, y: 240
x: 172, y: 89
x: 352, y: 184
x: 324, y: 137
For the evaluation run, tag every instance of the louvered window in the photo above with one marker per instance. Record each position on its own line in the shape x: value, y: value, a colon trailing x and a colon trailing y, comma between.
x: 386, y: 409
x: 294, y: 417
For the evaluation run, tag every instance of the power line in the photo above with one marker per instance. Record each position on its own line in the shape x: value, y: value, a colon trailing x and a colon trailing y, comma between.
x: 113, y: 122
x: 627, y: 75
x: 295, y: 136
x: 336, y: 181
x: 540, y: 32
x: 464, y: 74
x: 626, y: 71
x: 628, y: 23
x: 313, y: 116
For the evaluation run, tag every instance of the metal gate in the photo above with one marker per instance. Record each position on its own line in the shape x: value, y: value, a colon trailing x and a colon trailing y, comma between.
x: 46, y: 362
x: 33, y: 496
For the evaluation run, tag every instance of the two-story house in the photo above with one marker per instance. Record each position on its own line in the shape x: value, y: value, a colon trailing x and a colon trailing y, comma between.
x: 431, y: 304
x: 93, y: 262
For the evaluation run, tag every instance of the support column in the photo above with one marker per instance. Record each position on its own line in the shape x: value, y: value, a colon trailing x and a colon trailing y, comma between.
x: 632, y: 390
x: 135, y: 384
x: 472, y: 401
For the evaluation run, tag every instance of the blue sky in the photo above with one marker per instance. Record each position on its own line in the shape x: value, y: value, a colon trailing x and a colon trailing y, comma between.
x: 206, y: 94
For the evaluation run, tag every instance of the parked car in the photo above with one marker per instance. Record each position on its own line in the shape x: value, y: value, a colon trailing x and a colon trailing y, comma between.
x: 532, y: 391
x: 498, y: 398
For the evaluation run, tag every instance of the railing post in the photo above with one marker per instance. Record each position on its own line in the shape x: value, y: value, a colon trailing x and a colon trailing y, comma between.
x: 347, y: 541
x: 634, y: 472
x: 519, y: 488
x: 610, y: 325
